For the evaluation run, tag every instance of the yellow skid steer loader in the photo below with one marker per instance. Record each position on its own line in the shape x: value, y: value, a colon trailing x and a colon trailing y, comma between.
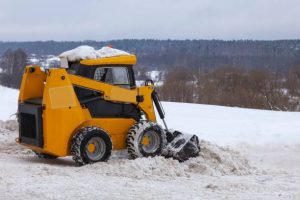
x: 88, y: 107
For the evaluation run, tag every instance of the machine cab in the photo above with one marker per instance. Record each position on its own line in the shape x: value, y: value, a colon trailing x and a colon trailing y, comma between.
x: 116, y: 71
x: 119, y: 74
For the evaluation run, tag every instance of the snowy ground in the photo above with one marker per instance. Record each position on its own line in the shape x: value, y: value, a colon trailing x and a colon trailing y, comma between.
x: 8, y: 103
x: 252, y: 154
x: 226, y: 125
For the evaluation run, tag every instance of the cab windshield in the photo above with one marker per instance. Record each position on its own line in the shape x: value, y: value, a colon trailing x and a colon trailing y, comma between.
x: 112, y: 74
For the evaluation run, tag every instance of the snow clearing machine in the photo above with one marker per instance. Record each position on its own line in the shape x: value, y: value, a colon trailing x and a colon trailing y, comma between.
x: 90, y: 105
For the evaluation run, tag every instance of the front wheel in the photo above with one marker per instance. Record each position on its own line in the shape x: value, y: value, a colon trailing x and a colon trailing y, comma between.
x: 145, y: 139
x: 91, y: 144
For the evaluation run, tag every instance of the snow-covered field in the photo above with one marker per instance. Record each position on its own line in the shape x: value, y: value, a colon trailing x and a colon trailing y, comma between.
x: 8, y: 103
x: 251, y: 154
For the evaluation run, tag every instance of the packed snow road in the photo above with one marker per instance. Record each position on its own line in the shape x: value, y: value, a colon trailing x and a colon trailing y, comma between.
x: 269, y: 172
x: 252, y: 154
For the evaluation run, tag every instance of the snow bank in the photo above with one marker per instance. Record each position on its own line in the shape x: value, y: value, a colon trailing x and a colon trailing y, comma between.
x: 88, y: 52
x: 213, y: 161
x: 10, y: 125
x: 8, y: 103
x: 216, y: 160
x: 151, y: 168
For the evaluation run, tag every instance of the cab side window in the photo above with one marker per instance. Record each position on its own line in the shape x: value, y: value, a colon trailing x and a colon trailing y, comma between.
x: 113, y: 75
x: 99, y: 74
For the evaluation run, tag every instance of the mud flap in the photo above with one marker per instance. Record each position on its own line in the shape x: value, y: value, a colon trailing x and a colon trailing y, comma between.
x: 181, y: 146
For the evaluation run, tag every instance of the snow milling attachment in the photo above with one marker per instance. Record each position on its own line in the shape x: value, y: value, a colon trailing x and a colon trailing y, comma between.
x: 181, y: 146
x: 147, y: 138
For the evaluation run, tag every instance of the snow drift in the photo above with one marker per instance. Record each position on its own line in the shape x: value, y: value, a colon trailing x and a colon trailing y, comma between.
x: 9, y: 125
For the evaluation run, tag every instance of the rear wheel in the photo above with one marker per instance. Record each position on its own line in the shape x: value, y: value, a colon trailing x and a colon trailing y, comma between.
x: 145, y: 139
x: 91, y: 144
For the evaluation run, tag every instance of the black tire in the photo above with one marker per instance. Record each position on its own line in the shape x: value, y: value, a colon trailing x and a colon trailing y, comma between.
x: 45, y: 156
x: 137, y: 132
x: 90, y: 135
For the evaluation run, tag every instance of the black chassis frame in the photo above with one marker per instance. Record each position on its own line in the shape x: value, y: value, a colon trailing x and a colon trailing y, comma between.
x: 36, y: 111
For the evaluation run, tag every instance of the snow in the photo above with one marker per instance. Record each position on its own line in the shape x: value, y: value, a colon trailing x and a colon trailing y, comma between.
x: 139, y: 83
x: 142, y: 83
x: 228, y: 126
x: 46, y: 61
x: 251, y: 154
x: 88, y: 52
x: 8, y: 102
x: 33, y: 60
x: 110, y: 52
x: 52, y: 59
x: 155, y: 75
x: 223, y: 125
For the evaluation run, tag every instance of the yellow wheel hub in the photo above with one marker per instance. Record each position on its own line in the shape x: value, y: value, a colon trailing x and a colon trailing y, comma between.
x: 146, y: 140
x: 91, y: 148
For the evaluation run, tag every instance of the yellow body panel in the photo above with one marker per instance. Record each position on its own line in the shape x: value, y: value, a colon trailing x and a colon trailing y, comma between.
x: 56, y: 94
x: 63, y: 115
x: 147, y: 104
x: 110, y: 92
x: 32, y: 80
x: 125, y: 60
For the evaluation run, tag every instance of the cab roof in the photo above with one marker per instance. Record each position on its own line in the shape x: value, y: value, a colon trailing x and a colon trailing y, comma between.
x: 116, y: 60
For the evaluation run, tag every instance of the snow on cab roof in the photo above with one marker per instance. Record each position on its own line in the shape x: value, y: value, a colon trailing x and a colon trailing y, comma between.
x: 88, y: 52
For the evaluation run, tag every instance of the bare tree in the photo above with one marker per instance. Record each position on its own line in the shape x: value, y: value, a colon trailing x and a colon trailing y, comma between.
x: 12, y: 65
x: 178, y: 86
x: 259, y: 88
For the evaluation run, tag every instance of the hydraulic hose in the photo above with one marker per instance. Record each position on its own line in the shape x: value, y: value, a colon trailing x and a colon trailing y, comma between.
x: 159, y: 108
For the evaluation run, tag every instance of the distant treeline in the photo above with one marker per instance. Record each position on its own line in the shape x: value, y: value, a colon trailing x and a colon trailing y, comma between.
x: 226, y: 85
x: 256, y: 88
x: 204, y: 54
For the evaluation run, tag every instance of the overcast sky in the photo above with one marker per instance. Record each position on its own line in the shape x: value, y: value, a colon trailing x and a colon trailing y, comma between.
x: 22, y: 20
